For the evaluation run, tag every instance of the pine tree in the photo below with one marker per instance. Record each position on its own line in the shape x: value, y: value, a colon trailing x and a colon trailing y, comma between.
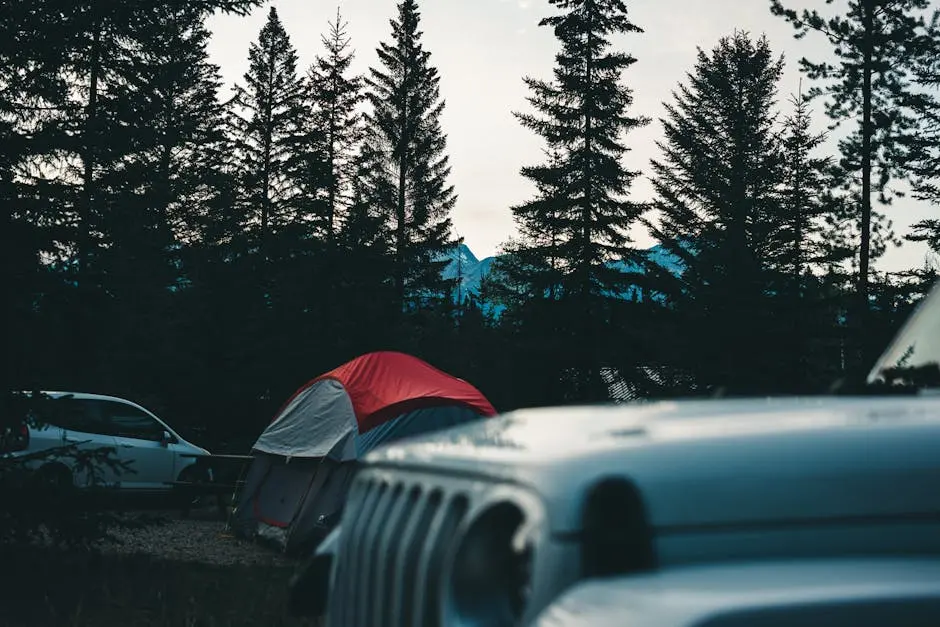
x: 100, y: 48
x: 581, y: 208
x: 80, y: 134
x: 814, y: 241
x: 171, y: 175
x: 274, y: 171
x: 76, y: 97
x: 267, y: 120
x: 923, y: 146
x: 336, y: 97
x: 806, y: 199
x: 534, y: 261
x: 31, y: 92
x: 865, y: 85
x: 362, y: 284
x: 409, y: 182
x: 68, y: 137
x: 163, y: 190
x: 76, y: 137
x: 716, y: 198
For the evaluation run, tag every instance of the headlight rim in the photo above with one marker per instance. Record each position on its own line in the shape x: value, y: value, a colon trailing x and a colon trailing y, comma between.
x: 529, y: 528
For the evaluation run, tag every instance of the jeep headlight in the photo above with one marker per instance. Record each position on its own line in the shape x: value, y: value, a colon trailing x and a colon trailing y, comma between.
x: 491, y: 570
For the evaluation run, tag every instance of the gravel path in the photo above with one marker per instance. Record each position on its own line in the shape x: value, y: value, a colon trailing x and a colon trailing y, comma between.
x: 193, y: 540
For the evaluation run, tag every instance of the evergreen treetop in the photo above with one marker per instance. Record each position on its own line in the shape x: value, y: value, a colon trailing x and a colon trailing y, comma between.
x: 716, y: 181
x: 410, y: 169
x: 718, y: 210
x: 267, y: 119
x: 582, y: 114
x: 336, y: 96
x: 867, y: 85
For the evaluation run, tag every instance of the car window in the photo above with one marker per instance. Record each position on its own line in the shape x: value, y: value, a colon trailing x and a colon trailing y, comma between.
x: 129, y: 422
x: 73, y: 414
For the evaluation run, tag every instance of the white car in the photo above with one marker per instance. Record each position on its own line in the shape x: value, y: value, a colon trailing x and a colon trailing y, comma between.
x: 157, y: 455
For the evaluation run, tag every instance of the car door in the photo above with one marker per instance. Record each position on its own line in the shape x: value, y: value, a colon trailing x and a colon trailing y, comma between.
x: 78, y: 422
x: 140, y: 442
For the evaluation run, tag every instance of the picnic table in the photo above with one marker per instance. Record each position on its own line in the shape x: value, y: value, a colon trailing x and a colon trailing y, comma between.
x: 220, y: 476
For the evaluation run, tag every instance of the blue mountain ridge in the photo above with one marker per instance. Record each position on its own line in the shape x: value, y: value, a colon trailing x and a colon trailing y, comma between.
x: 463, y: 263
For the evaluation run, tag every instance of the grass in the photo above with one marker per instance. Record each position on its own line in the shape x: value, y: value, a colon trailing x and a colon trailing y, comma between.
x: 58, y: 589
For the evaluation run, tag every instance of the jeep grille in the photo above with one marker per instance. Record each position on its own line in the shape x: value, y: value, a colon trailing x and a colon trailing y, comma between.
x: 396, y: 532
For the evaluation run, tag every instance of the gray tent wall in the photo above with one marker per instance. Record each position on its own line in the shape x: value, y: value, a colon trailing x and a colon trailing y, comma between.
x: 274, y: 490
x: 243, y: 522
x: 296, y: 501
x: 319, y: 512
x: 319, y: 421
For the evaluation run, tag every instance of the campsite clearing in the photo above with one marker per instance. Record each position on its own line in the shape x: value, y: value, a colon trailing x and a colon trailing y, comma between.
x: 192, y: 540
x: 177, y: 572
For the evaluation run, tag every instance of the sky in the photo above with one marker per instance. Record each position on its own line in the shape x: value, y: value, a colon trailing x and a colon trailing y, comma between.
x: 483, y: 49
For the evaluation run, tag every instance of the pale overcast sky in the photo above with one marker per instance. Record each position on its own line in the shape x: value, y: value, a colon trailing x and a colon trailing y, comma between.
x: 483, y: 48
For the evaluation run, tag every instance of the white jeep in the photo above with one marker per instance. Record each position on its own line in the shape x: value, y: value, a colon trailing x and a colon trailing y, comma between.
x: 809, y: 511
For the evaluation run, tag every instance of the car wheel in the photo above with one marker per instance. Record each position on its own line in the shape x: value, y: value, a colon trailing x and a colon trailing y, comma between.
x: 54, y: 478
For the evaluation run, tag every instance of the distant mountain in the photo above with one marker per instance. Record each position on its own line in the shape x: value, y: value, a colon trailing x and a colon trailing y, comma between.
x: 463, y: 263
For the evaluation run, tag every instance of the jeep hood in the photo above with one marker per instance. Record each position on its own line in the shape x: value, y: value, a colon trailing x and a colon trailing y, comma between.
x: 559, y: 434
x: 724, y: 450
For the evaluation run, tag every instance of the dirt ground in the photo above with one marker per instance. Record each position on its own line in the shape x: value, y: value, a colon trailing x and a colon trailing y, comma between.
x: 202, y: 541
x: 176, y: 572
x: 202, y: 537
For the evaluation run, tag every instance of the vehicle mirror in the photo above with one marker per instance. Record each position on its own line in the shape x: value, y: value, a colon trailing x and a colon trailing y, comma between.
x: 166, y: 438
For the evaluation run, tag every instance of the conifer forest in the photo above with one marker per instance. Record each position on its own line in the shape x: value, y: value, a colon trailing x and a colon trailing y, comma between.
x: 205, y: 249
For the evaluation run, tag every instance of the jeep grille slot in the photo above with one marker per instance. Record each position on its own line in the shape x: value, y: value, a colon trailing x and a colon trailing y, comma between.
x: 392, y: 547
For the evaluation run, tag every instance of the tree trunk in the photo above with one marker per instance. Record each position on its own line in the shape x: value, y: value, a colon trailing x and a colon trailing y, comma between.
x: 334, y: 174
x: 83, y: 342
x: 163, y: 220
x: 267, y: 140
x: 867, y: 131
x: 401, y: 236
x: 591, y: 365
x: 331, y: 146
x: 88, y: 158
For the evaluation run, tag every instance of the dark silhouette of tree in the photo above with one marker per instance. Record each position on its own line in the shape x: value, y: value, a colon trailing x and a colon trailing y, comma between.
x: 865, y: 85
x: 362, y: 283
x: 578, y: 223
x: 336, y: 96
x: 74, y: 137
x: 85, y: 139
x: 533, y: 261
x: 815, y: 240
x: 717, y: 203
x: 267, y: 119
x: 31, y: 92
x: 161, y: 193
x: 805, y: 193
x: 923, y: 146
x: 79, y: 87
x: 328, y: 156
x: 279, y: 169
x: 409, y: 177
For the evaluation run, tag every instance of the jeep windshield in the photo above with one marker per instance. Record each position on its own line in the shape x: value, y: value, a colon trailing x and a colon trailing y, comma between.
x: 912, y: 360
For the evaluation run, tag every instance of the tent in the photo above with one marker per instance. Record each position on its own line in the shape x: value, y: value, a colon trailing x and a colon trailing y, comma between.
x: 303, y: 461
